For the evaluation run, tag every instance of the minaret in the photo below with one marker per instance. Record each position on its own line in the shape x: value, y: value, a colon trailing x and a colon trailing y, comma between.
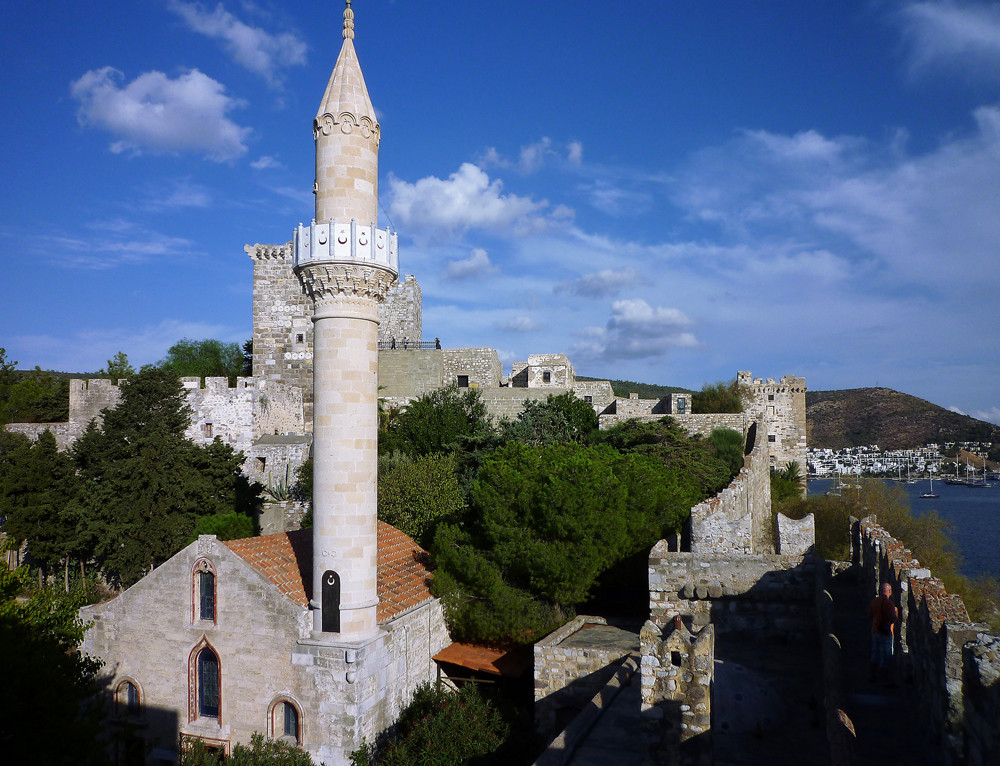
x: 346, y: 265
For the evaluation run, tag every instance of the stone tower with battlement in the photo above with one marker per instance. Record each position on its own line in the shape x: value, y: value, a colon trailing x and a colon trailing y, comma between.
x: 783, y: 404
x: 346, y: 265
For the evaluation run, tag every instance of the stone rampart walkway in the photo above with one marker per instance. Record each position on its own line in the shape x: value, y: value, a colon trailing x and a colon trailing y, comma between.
x: 884, y: 716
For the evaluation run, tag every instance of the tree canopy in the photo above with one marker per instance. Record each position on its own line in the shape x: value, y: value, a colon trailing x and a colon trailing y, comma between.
x: 145, y: 486
x: 718, y: 397
x: 205, y: 359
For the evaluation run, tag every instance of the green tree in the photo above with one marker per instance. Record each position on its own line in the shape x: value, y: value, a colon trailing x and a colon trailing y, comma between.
x: 440, y: 421
x: 440, y: 728
x: 118, y: 367
x: 545, y: 523
x: 729, y: 446
x: 205, y: 359
x: 248, y: 358
x: 416, y: 494
x: 41, y: 505
x: 261, y: 751
x: 48, y: 701
x: 718, y: 397
x: 145, y: 485
x: 560, y: 418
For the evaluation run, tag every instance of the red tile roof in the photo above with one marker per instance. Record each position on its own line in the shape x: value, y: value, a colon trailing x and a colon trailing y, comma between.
x: 286, y: 560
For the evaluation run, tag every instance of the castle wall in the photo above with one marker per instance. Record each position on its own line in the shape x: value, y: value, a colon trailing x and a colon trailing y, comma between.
x: 567, y: 677
x: 481, y: 365
x: 283, y: 327
x: 738, y: 519
x: 678, y: 668
x: 401, y: 314
x: 509, y: 402
x: 767, y: 596
x: 61, y: 431
x: 783, y: 403
x: 953, y: 662
x: 600, y: 392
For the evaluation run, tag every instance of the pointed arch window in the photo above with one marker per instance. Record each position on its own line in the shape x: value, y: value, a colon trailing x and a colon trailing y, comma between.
x: 209, y: 696
x: 204, y: 591
x: 204, y: 682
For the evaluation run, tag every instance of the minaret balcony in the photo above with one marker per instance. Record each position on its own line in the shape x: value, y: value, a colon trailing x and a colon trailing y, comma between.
x: 346, y: 242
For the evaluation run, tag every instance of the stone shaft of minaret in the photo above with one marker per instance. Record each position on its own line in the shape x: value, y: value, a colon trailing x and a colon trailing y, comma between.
x: 347, y: 266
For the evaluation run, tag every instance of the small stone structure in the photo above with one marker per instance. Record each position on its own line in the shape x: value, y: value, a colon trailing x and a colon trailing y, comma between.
x: 953, y: 663
x: 677, y: 671
x: 571, y: 665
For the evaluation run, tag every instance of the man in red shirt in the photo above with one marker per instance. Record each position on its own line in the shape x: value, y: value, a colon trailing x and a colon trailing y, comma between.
x: 883, y: 614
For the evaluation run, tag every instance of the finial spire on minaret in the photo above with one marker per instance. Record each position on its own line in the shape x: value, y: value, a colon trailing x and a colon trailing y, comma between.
x: 348, y: 22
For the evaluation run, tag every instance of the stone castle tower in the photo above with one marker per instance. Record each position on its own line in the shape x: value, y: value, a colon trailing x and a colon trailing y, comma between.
x: 346, y: 266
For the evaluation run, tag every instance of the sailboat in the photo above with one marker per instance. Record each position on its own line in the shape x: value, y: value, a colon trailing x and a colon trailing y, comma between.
x: 931, y: 493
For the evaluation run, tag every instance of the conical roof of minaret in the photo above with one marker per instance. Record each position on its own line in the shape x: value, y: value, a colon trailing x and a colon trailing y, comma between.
x: 346, y: 91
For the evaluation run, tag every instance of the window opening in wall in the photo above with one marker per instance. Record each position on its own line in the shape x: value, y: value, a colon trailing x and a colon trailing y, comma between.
x: 772, y: 438
x: 127, y: 698
x: 206, y: 595
x: 206, y: 429
x: 300, y: 337
x: 770, y: 397
x: 291, y: 721
x: 463, y: 381
x: 546, y: 377
x: 208, y: 684
x: 261, y: 464
x: 681, y: 406
x: 588, y: 399
x: 675, y: 659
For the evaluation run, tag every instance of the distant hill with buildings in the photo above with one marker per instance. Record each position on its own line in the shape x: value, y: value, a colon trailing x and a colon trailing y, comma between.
x: 855, y: 417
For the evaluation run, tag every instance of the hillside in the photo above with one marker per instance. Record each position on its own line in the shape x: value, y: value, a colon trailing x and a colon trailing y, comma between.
x: 857, y: 416
x: 644, y: 390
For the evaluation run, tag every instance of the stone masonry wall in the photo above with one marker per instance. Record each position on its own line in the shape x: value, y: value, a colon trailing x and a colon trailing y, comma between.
x: 401, y: 314
x: 509, y: 402
x: 676, y: 681
x: 282, y: 320
x: 567, y: 677
x: 768, y: 596
x: 738, y: 519
x: 600, y: 392
x: 953, y: 663
x: 481, y: 365
x: 783, y: 404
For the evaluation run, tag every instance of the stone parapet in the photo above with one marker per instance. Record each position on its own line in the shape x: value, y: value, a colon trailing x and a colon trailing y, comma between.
x: 766, y: 596
x: 953, y: 662
x: 738, y: 519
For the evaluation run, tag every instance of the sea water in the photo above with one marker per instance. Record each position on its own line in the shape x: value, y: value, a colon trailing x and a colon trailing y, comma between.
x: 973, y: 513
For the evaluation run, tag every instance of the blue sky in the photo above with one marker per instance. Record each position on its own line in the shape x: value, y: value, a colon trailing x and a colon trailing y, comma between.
x: 666, y: 191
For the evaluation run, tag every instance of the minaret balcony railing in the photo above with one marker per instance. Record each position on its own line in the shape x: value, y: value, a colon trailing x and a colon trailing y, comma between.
x: 346, y: 242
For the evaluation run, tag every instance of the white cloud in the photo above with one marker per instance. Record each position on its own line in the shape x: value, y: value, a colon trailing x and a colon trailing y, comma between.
x: 992, y: 415
x: 476, y: 266
x: 574, y: 152
x: 157, y: 114
x: 533, y: 155
x: 636, y: 330
x: 265, y: 162
x: 178, y: 194
x: 117, y: 242
x: 467, y: 199
x: 253, y: 48
x: 600, y: 284
x: 964, y: 36
x: 517, y: 324
x: 616, y: 201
